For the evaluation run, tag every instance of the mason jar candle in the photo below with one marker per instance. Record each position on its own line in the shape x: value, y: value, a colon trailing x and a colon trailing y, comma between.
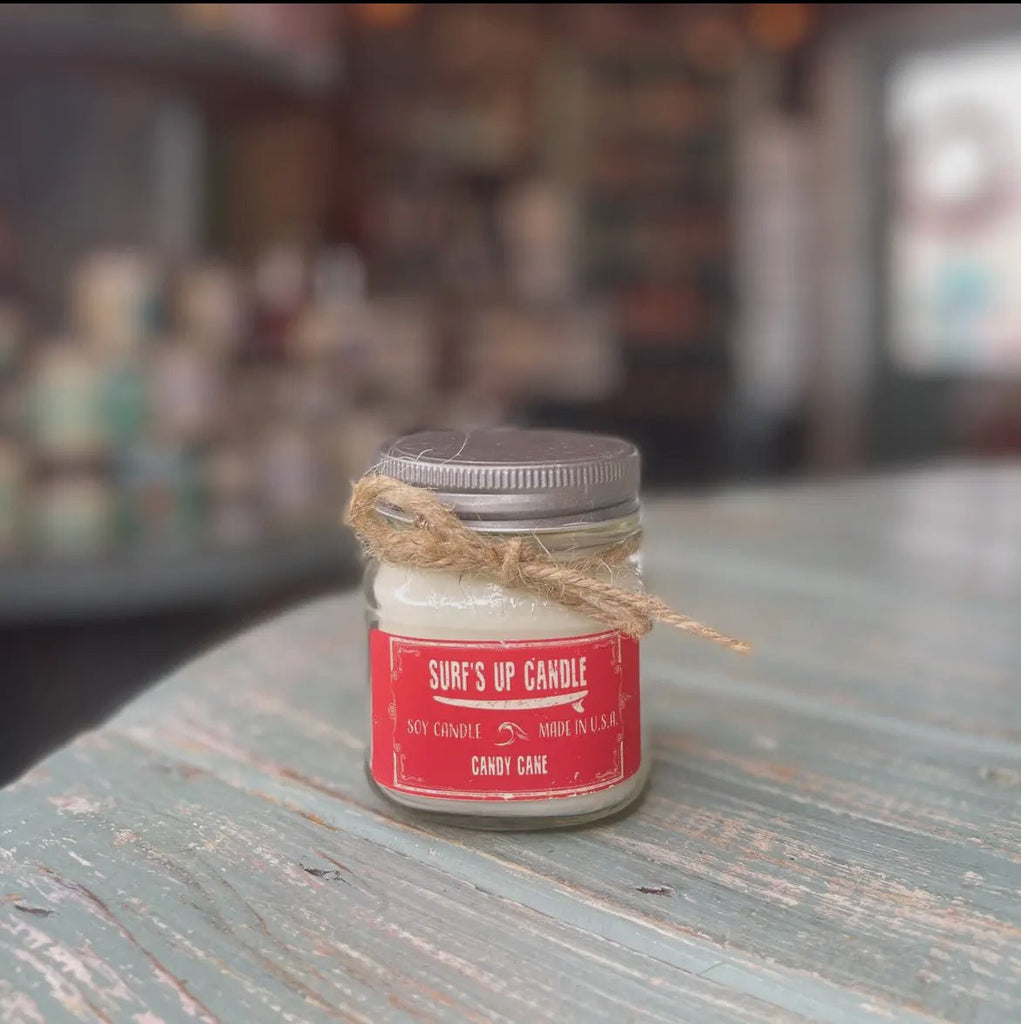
x: 492, y: 706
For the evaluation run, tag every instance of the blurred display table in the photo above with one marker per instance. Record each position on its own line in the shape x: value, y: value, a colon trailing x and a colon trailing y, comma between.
x: 78, y: 639
x: 832, y: 832
x: 169, y: 580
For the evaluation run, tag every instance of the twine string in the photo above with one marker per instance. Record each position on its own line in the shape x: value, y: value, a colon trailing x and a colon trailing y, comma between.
x: 428, y: 535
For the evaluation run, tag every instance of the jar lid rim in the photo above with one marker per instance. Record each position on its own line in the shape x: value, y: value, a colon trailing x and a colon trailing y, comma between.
x: 519, y: 477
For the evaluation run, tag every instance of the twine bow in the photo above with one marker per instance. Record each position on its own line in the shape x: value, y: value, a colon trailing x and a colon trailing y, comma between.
x: 434, y: 538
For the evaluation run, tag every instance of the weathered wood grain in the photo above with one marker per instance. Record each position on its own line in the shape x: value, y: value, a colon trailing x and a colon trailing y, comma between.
x: 167, y: 891
x: 896, y: 598
x: 746, y: 837
x: 833, y: 831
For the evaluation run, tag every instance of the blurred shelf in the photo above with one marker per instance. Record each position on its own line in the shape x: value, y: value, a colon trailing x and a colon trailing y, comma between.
x: 683, y: 395
x: 127, y: 586
x: 702, y: 144
x: 678, y: 353
x: 628, y: 203
x: 645, y: 63
x: 215, y: 69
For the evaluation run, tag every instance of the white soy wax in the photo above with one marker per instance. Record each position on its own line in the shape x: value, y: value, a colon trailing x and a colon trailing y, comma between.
x: 490, y: 705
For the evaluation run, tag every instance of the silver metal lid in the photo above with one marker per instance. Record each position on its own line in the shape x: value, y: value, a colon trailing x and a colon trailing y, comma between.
x: 510, y: 479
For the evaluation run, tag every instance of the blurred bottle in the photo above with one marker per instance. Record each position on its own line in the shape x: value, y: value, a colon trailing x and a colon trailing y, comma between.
x: 292, y: 480
x: 65, y: 404
x: 339, y: 276
x: 13, y: 453
x: 184, y: 392
x: 116, y: 303
x: 400, y: 351
x: 124, y: 402
x: 310, y: 395
x: 355, y: 441
x: 12, y: 335
x: 73, y: 514
x: 235, y: 517
x: 12, y: 497
x: 539, y: 228
x: 330, y: 333
x: 280, y: 291
x: 305, y: 32
x: 319, y: 332
x: 13, y: 314
x: 160, y: 494
x: 213, y: 18
x: 210, y: 308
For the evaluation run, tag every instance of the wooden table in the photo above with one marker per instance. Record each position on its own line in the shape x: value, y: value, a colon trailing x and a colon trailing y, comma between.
x: 833, y: 831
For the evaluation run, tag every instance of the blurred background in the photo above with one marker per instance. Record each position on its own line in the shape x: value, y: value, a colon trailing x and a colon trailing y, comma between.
x: 242, y: 244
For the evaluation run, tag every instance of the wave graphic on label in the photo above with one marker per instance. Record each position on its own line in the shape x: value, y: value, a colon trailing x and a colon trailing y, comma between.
x: 575, y: 698
x: 510, y: 731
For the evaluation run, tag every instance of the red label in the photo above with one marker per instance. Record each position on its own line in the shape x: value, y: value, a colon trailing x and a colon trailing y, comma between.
x: 504, y: 720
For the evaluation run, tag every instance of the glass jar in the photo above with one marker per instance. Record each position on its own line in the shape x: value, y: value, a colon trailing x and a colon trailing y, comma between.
x: 490, y: 706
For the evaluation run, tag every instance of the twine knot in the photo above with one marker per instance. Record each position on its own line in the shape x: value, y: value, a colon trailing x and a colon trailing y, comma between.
x: 425, y: 534
x: 510, y: 564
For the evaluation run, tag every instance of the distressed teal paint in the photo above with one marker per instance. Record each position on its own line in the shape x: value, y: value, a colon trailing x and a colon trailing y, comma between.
x: 832, y: 832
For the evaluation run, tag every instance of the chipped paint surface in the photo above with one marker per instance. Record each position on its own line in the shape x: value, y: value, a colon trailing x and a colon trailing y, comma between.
x: 832, y: 833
